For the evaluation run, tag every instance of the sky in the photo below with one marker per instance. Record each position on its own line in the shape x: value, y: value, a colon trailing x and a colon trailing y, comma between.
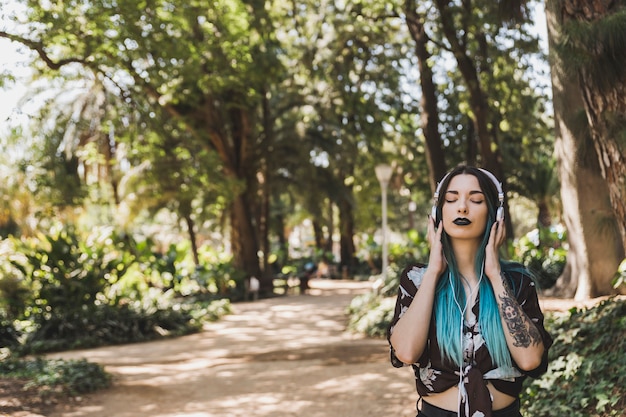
x: 9, y: 60
x: 14, y: 62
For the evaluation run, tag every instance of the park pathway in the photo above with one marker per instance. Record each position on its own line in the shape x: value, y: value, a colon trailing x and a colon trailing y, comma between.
x: 281, y: 357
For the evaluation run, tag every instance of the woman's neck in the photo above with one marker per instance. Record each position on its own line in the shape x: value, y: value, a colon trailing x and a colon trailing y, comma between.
x: 465, y: 255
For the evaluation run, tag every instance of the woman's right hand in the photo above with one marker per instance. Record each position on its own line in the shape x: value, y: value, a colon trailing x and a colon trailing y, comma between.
x: 436, y: 261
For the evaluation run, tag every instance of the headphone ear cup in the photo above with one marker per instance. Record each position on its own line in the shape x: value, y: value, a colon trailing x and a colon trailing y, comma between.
x: 433, y: 213
x: 500, y: 213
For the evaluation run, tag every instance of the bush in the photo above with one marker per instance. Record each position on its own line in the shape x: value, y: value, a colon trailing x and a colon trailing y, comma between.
x: 620, y: 276
x: 61, y: 292
x: 54, y: 377
x: 544, y: 253
x: 587, y: 372
x: 370, y: 314
x: 415, y: 248
x: 9, y: 336
x: 107, y: 325
x: 214, y: 310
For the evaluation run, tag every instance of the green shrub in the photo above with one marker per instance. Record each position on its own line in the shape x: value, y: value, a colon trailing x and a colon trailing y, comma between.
x: 544, y: 253
x: 370, y: 314
x: 415, y: 248
x: 587, y: 371
x: 68, y: 292
x: 620, y: 275
x: 52, y: 377
x: 107, y: 325
x: 15, y: 295
x: 214, y: 310
x: 67, y: 276
x: 9, y: 336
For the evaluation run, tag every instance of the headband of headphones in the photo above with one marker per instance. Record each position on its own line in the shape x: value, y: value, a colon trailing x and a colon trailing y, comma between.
x: 498, y: 184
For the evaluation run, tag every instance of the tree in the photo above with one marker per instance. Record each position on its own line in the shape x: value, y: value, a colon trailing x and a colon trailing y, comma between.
x: 353, y: 80
x: 594, y: 250
x: 488, y: 93
x: 205, y: 67
x: 429, y: 111
x: 594, y: 44
x: 242, y: 82
x: 267, y: 108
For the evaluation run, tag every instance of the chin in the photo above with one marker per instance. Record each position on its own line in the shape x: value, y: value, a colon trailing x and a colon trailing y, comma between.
x: 464, y: 232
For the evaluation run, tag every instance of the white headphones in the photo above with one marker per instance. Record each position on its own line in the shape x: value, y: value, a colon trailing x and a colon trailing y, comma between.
x: 498, y: 184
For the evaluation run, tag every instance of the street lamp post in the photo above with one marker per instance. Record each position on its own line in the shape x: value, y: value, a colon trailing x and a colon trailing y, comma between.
x: 383, y: 174
x: 412, y: 209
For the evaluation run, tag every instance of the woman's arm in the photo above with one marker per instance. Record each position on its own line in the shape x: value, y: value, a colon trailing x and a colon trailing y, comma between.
x: 522, y: 336
x: 410, y: 333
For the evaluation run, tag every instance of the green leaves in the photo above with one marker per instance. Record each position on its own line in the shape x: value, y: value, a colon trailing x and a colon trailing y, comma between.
x: 55, y: 376
x: 596, y: 45
x: 587, y: 373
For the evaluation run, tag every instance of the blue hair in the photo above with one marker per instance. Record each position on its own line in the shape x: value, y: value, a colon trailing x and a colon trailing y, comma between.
x: 450, y: 295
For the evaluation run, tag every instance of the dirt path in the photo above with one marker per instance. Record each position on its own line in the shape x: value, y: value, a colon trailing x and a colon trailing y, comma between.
x: 286, y: 356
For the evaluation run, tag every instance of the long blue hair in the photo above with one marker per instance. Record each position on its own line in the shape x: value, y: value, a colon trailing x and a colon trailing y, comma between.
x: 450, y: 295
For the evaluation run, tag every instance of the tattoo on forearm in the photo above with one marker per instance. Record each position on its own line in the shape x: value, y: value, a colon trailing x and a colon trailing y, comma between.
x: 522, y: 330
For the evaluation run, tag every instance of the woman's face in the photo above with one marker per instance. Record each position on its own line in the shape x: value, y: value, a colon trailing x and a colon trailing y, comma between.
x: 464, y: 209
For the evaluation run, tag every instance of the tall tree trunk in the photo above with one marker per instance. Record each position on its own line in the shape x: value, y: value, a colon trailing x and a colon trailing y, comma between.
x: 264, y: 178
x: 605, y: 107
x: 244, y: 240
x: 328, y: 247
x: 283, y: 245
x: 263, y: 222
x: 592, y: 257
x: 235, y: 148
x: 478, y: 101
x: 471, y: 152
x: 611, y: 158
x: 191, y: 230
x: 318, y: 233
x: 346, y: 227
x: 429, y: 117
x: 544, y: 217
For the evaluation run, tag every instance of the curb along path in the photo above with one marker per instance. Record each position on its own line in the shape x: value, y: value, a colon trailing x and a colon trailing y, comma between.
x: 279, y: 357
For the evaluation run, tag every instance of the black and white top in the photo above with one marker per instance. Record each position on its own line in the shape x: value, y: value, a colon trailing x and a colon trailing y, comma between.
x: 435, y: 374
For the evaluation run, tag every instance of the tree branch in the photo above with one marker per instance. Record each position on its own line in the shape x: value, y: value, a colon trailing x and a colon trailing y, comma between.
x: 38, y: 47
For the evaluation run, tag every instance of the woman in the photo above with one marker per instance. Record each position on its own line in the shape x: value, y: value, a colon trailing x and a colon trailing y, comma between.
x: 468, y: 322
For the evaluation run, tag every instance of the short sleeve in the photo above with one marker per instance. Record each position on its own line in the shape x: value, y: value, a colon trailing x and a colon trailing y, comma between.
x: 410, y: 281
x: 529, y: 301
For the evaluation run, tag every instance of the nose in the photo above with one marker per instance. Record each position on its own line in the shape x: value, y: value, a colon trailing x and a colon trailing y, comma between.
x: 462, y: 207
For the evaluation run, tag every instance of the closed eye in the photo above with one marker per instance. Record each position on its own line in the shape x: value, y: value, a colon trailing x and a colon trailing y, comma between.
x: 452, y: 196
x: 473, y: 201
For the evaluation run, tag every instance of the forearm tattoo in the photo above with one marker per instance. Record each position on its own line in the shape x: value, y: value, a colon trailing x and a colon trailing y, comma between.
x: 522, y: 330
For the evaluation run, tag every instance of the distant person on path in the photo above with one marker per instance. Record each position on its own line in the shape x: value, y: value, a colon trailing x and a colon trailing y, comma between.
x: 468, y: 322
x: 253, y: 288
x: 306, y: 275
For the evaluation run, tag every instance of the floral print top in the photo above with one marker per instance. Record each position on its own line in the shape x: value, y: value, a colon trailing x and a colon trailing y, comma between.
x: 434, y: 374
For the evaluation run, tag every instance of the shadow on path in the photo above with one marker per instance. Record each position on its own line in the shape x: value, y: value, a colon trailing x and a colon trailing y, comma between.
x: 285, y: 356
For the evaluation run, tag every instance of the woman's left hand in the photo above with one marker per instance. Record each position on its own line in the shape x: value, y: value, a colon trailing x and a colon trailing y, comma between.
x: 492, y: 258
